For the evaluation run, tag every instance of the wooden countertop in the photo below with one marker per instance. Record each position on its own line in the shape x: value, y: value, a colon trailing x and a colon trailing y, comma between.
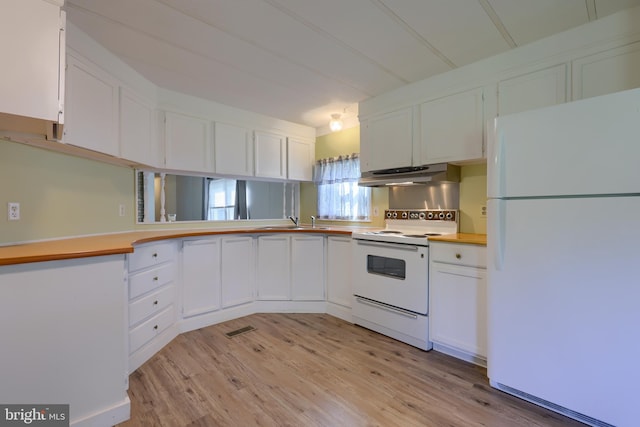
x: 468, y: 238
x: 122, y: 243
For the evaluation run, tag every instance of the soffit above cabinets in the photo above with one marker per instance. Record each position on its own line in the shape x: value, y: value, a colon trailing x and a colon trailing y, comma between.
x: 301, y: 61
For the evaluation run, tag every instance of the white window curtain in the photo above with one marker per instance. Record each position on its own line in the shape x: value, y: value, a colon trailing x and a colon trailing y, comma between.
x: 339, y: 196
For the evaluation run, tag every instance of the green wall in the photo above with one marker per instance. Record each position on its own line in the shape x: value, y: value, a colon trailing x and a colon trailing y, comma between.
x: 61, y: 195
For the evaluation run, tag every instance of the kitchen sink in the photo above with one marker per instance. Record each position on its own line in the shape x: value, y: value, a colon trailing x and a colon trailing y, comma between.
x: 292, y: 227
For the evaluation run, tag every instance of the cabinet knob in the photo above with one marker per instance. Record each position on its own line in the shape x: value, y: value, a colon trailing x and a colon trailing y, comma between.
x: 155, y: 302
x: 155, y: 327
x: 155, y: 279
x: 155, y: 255
x: 458, y: 256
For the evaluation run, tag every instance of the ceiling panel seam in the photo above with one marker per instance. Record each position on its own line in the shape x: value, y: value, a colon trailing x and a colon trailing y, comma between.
x: 336, y: 40
x: 406, y: 27
x: 270, y: 51
x: 497, y: 22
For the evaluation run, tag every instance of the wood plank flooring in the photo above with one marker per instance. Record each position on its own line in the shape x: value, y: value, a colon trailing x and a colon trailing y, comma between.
x: 316, y: 370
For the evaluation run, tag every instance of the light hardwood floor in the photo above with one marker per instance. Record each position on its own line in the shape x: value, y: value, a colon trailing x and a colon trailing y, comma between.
x: 316, y: 370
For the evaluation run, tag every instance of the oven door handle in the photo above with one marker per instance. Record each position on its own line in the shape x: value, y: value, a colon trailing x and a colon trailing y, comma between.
x: 398, y: 246
x: 387, y: 308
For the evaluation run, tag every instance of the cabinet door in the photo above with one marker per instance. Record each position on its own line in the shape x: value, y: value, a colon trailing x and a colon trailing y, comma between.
x: 458, y: 308
x: 91, y: 108
x: 300, y: 157
x: 307, y: 268
x: 387, y: 141
x: 200, y: 276
x: 30, y: 37
x: 270, y: 155
x: 187, y: 143
x: 233, y: 150
x: 538, y: 89
x: 137, y: 122
x: 607, y: 72
x: 339, y: 265
x: 238, y: 269
x: 273, y: 267
x: 452, y: 128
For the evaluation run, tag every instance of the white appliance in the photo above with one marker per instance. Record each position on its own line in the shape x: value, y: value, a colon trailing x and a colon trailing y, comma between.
x: 391, y: 274
x: 564, y: 258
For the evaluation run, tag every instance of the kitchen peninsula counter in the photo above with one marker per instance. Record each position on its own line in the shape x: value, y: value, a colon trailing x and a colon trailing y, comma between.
x: 468, y: 238
x: 123, y: 243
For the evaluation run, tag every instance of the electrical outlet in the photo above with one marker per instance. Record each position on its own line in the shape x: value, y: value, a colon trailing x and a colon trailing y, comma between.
x: 375, y: 211
x: 122, y: 210
x: 13, y: 211
x: 483, y: 211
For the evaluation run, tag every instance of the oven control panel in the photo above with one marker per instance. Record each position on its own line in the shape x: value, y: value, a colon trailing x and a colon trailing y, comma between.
x: 422, y: 214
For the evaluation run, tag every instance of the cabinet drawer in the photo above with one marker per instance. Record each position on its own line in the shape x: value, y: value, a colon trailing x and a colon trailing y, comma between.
x: 141, y: 283
x: 452, y: 253
x: 149, y: 255
x: 151, y: 304
x: 145, y: 332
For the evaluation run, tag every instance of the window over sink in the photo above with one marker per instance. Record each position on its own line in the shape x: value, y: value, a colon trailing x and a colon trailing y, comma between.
x: 339, y: 196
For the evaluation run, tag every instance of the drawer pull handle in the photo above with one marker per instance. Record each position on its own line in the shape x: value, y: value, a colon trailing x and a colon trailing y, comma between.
x: 155, y: 279
x: 155, y: 255
x: 155, y: 302
x: 155, y: 327
x: 458, y: 256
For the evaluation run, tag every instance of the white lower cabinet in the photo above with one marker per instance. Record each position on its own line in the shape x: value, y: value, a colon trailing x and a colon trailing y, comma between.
x: 307, y: 267
x: 237, y: 270
x: 201, y: 280
x: 273, y: 267
x: 339, y: 268
x: 152, y: 296
x: 458, y: 300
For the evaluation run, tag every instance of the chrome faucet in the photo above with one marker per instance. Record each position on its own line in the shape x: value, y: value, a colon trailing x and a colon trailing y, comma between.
x: 294, y: 220
x: 313, y: 221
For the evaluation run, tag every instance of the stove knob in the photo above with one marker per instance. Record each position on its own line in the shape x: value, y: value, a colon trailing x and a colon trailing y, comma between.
x: 421, y: 215
x: 404, y: 215
x: 430, y: 215
x: 388, y: 214
x: 449, y: 215
x: 441, y: 215
x: 394, y: 214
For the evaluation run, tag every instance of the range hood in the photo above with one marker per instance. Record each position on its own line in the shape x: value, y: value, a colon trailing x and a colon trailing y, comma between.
x: 411, y: 175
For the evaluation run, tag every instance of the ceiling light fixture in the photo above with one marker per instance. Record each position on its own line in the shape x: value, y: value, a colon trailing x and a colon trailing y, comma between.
x: 335, y: 124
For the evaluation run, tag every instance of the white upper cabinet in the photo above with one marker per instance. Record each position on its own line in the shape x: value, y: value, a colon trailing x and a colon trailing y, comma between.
x: 537, y: 89
x: 91, y: 108
x: 32, y: 43
x: 387, y: 141
x: 138, y: 141
x: 187, y: 143
x: 300, y: 158
x: 270, y: 155
x: 606, y: 72
x: 233, y: 148
x: 452, y: 128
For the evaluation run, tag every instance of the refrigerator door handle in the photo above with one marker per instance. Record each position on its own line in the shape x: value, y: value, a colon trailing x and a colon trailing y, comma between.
x: 500, y: 230
x: 495, y: 171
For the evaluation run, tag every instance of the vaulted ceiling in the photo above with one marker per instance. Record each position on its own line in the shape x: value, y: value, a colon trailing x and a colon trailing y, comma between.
x: 302, y: 60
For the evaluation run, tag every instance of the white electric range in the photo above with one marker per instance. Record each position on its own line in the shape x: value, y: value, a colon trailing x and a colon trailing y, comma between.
x: 391, y: 273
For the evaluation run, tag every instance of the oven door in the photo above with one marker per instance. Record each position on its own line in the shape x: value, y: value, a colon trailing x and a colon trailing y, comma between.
x: 392, y: 273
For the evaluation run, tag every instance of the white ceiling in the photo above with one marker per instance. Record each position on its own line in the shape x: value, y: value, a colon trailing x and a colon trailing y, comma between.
x: 302, y: 60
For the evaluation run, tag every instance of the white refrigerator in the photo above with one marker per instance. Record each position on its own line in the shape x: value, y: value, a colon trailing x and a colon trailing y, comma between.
x: 564, y: 258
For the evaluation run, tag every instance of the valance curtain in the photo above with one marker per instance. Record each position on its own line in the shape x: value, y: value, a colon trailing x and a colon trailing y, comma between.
x: 339, y: 196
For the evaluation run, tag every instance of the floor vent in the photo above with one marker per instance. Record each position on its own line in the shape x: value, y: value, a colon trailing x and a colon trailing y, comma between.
x: 239, y: 331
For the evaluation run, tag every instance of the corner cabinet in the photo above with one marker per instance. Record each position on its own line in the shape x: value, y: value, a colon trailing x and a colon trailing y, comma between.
x: 188, y: 143
x: 307, y: 267
x: 91, y: 108
x: 32, y: 41
x: 273, y: 267
x: 452, y: 128
x: 458, y: 300
x: 270, y: 150
x: 237, y: 270
x: 201, y: 279
x: 339, y: 270
x: 387, y: 140
x: 301, y: 155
